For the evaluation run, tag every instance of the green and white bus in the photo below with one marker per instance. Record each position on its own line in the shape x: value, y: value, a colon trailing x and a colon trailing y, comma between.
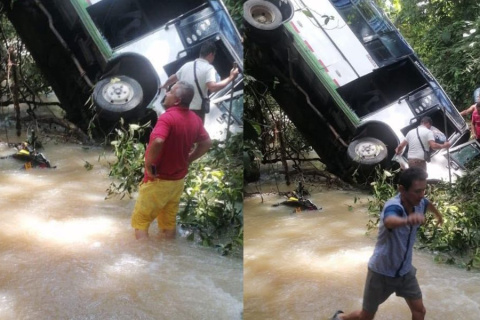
x: 119, y: 52
x: 351, y: 83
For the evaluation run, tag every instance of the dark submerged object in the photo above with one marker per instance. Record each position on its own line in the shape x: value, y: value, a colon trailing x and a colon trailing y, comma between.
x: 33, y: 159
x: 297, y: 200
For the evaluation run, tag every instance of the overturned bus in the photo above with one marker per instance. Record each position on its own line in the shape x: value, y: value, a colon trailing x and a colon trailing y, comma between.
x: 351, y: 83
x: 119, y: 52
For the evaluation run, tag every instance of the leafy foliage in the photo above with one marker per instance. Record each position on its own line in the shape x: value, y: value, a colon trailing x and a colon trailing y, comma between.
x: 235, y: 9
x: 213, y: 198
x: 383, y: 189
x: 32, y: 81
x: 130, y: 153
x: 446, y: 36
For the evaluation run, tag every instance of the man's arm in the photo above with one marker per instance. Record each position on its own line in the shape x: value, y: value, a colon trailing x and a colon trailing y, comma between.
x: 437, y: 146
x: 468, y: 110
x: 200, y: 149
x: 399, y: 149
x: 154, y: 150
x: 171, y: 80
x: 216, y: 86
x: 394, y: 221
x: 437, y: 213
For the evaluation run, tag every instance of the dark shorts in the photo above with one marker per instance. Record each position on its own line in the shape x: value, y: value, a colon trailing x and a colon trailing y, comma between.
x: 379, y: 287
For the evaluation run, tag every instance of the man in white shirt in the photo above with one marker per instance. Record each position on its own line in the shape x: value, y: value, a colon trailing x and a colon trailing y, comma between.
x: 416, y: 153
x: 206, y: 77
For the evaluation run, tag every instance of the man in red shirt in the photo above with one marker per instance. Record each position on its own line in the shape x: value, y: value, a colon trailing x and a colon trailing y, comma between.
x: 177, y: 139
x: 474, y: 109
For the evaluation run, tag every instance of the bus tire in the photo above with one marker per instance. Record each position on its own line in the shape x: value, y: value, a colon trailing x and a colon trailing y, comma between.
x: 117, y: 96
x: 367, y: 151
x: 262, y: 15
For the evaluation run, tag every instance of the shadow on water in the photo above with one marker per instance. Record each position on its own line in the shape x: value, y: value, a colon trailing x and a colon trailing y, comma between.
x: 307, y: 265
x: 66, y: 253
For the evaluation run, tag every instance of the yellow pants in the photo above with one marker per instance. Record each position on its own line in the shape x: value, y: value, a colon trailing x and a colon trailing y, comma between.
x: 157, y: 199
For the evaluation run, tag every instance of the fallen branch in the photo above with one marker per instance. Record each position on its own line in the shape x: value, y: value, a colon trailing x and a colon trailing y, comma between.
x: 38, y: 103
x: 69, y: 126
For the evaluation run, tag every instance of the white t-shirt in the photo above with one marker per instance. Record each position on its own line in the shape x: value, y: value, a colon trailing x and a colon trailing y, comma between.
x: 205, y: 73
x: 415, y: 150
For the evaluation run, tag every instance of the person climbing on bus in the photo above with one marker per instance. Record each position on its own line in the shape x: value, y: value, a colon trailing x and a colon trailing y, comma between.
x: 202, y: 75
x: 420, y: 141
x: 390, y: 268
x: 474, y: 109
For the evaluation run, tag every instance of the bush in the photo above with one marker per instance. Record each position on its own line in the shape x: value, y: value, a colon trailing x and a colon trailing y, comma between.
x: 213, y: 197
x: 130, y: 154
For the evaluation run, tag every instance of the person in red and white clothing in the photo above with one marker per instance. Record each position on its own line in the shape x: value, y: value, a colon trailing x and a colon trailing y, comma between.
x: 474, y: 109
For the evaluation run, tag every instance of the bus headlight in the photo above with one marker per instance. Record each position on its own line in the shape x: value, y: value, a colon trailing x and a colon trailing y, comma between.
x: 423, y: 100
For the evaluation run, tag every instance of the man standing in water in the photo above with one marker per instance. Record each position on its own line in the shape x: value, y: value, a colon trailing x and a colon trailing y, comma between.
x: 205, y: 74
x: 390, y: 267
x: 178, y: 139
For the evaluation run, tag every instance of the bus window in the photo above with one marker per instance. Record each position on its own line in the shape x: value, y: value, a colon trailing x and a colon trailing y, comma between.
x: 237, y: 107
x: 121, y: 21
x: 395, y: 44
x: 373, y: 29
x: 229, y: 33
x: 357, y: 23
x: 118, y: 21
x: 373, y: 17
x: 465, y: 155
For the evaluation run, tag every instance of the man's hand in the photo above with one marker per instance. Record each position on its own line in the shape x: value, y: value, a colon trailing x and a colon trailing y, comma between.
x: 234, y: 73
x: 415, y: 218
x: 439, y: 220
x: 151, y: 171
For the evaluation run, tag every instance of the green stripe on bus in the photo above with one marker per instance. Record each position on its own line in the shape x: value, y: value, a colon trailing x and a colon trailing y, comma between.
x: 322, y: 75
x: 81, y: 8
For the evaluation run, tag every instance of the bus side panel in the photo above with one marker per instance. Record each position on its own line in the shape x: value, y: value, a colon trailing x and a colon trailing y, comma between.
x: 333, y: 32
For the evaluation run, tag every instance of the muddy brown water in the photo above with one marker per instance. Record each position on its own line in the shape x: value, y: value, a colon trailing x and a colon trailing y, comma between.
x: 308, y: 265
x: 67, y: 253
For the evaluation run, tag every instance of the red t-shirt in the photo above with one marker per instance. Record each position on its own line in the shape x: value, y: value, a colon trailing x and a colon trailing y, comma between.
x: 476, y: 123
x: 180, y: 128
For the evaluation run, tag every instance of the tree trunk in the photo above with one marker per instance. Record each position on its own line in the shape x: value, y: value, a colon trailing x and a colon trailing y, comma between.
x: 283, y: 153
x: 12, y: 63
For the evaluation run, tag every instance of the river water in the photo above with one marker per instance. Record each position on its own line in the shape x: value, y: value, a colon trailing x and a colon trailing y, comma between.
x: 307, y: 265
x: 67, y: 253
